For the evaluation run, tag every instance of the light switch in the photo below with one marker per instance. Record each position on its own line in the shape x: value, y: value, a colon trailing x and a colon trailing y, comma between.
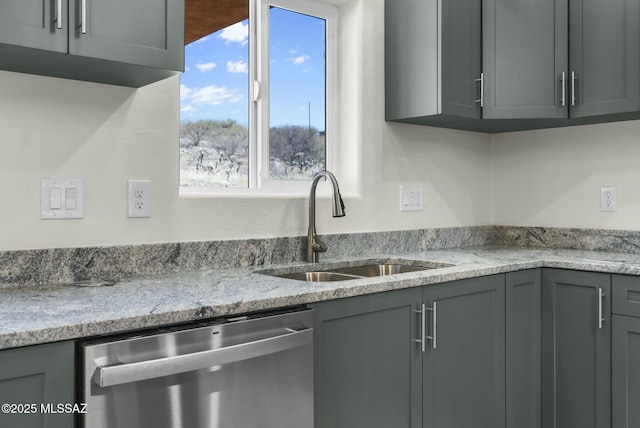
x: 61, y: 198
x: 71, y: 198
x: 55, y: 198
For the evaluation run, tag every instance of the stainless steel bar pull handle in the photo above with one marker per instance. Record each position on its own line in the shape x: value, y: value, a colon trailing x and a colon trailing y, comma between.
x: 564, y: 90
x: 423, y: 327
x: 481, y: 99
x: 83, y: 16
x: 573, y: 88
x: 59, y: 14
x: 600, y: 307
x: 434, y: 325
x: 151, y: 369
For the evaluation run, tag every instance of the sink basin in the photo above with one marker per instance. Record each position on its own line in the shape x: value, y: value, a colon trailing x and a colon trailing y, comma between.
x: 380, y: 269
x: 320, y: 276
x: 367, y: 269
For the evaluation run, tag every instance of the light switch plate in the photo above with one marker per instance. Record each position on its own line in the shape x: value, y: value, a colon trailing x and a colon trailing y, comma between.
x: 61, y: 198
x: 411, y: 198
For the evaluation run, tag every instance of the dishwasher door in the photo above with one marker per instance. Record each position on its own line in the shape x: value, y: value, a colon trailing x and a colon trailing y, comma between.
x: 251, y: 373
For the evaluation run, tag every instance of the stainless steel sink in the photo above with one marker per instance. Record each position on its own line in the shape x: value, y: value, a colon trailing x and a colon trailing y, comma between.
x: 380, y: 269
x: 321, y: 276
x: 368, y: 269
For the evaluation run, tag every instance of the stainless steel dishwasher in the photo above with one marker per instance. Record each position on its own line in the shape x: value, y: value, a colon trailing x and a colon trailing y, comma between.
x: 255, y: 372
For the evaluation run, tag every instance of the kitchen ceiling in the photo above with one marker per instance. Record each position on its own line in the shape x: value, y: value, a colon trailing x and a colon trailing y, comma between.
x: 203, y: 17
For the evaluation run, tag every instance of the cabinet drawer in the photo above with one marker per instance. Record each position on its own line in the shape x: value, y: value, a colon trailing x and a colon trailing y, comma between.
x: 626, y: 295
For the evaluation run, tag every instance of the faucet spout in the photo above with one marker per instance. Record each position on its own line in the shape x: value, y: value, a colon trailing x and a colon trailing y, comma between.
x: 314, y: 244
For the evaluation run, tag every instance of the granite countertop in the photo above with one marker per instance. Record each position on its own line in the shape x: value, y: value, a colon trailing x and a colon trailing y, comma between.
x: 41, y: 314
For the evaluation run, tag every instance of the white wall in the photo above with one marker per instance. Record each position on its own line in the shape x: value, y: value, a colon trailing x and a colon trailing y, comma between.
x: 553, y: 177
x: 106, y: 135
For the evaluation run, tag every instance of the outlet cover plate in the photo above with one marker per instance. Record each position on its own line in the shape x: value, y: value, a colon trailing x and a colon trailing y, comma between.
x: 608, y: 199
x: 139, y: 198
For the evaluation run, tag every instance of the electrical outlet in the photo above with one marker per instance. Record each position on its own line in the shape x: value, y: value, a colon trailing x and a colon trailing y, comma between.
x: 608, y: 199
x: 139, y: 197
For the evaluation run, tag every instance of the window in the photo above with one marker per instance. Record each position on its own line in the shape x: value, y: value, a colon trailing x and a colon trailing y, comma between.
x: 257, y: 101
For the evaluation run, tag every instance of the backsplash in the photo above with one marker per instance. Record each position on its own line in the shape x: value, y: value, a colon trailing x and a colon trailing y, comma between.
x: 625, y: 241
x: 72, y: 265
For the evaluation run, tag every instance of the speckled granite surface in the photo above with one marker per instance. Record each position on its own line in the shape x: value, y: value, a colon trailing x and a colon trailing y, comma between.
x: 69, y: 265
x: 39, y: 314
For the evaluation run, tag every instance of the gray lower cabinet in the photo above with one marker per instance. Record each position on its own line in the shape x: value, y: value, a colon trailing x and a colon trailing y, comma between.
x: 576, y: 341
x: 625, y: 373
x: 371, y: 370
x: 367, y: 364
x: 523, y: 340
x: 625, y: 352
x: 464, y: 362
x: 34, y: 376
x: 116, y: 42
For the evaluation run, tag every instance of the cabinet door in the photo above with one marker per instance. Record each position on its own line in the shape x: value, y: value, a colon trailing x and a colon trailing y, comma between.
x: 605, y: 56
x: 32, y: 24
x: 144, y: 32
x: 37, y: 375
x: 576, y: 361
x: 625, y: 382
x: 367, y: 362
x: 524, y: 57
x: 461, y: 59
x: 464, y: 367
x: 523, y: 322
x: 626, y: 295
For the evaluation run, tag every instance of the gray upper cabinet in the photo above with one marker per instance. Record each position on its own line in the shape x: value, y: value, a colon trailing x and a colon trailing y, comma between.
x: 432, y: 60
x: 525, y: 54
x: 528, y: 64
x: 576, y: 349
x: 145, y: 32
x: 604, y: 57
x: 33, y: 24
x: 538, y: 67
x: 129, y: 43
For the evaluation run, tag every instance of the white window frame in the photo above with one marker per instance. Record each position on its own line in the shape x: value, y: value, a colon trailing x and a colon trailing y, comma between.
x: 259, y: 182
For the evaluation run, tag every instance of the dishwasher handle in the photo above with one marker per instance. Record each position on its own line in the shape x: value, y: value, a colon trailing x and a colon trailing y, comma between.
x: 151, y: 369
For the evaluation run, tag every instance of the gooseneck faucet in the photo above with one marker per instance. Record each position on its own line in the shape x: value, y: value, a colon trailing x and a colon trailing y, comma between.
x: 315, y: 244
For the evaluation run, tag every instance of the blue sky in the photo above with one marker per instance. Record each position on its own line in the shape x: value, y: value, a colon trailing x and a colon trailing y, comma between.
x: 215, y: 82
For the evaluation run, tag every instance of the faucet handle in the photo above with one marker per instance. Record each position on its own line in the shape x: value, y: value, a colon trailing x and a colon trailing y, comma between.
x: 318, y: 245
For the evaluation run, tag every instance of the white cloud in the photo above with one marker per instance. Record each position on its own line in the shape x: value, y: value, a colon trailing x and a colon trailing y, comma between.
x: 236, y: 33
x: 214, y: 95
x: 300, y: 59
x: 188, y: 109
x: 185, y: 92
x: 206, y: 67
x: 237, y: 67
